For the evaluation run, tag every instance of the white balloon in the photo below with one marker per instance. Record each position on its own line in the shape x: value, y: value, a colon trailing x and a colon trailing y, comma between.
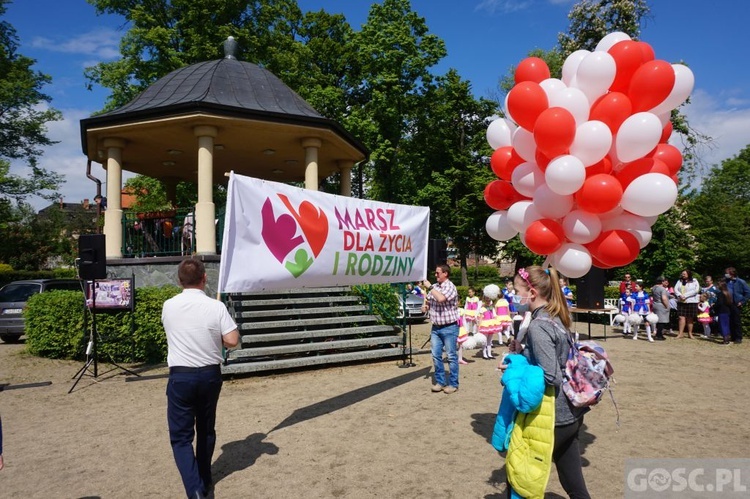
x: 551, y: 85
x: 526, y: 177
x: 581, y: 226
x: 506, y: 112
x: 573, y: 100
x: 610, y: 40
x: 500, y: 133
x: 595, y: 74
x: 651, y: 220
x: 549, y: 204
x: 572, y: 260
x: 636, y: 225
x: 524, y: 144
x: 650, y: 194
x: 637, y: 136
x: 683, y: 85
x: 498, y: 226
x: 570, y: 66
x: 565, y: 174
x: 521, y: 214
x: 614, y: 212
x: 592, y: 142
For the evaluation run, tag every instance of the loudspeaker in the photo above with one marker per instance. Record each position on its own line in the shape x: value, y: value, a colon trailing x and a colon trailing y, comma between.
x: 590, y: 289
x: 92, y: 255
x: 437, y: 254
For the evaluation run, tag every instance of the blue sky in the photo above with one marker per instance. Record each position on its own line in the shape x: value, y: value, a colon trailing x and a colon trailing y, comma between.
x: 484, y: 39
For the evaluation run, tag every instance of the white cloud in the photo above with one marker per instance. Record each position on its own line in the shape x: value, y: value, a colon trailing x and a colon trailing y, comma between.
x: 502, y: 6
x: 101, y: 43
x: 725, y: 119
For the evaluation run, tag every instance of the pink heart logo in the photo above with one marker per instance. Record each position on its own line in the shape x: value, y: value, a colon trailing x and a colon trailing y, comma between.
x: 279, y: 233
x: 312, y: 220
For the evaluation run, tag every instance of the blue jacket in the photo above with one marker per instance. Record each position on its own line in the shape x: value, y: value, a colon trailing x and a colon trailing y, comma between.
x: 524, y: 389
x: 739, y: 289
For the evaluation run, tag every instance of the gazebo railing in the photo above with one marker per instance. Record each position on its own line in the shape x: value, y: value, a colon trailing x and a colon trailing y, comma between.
x: 163, y: 233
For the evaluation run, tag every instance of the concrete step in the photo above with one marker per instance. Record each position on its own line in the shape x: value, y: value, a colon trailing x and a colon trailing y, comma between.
x: 301, y: 324
x: 318, y: 346
x: 294, y: 302
x: 296, y: 312
x: 309, y: 361
x: 260, y: 338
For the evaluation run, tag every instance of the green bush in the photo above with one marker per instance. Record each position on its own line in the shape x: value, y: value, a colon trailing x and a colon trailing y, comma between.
x: 55, y: 327
x: 54, y: 324
x: 382, y: 299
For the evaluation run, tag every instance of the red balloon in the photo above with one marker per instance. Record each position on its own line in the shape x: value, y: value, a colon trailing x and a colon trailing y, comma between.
x: 502, y: 163
x: 603, y: 166
x: 532, y: 69
x: 666, y: 133
x: 500, y: 195
x: 647, y: 51
x: 599, y: 193
x: 544, y: 236
x: 675, y: 179
x: 642, y: 166
x: 554, y: 131
x: 598, y: 264
x: 541, y: 160
x: 628, y: 57
x: 612, y: 108
x: 670, y: 155
x: 526, y: 101
x: 650, y: 85
x: 615, y: 247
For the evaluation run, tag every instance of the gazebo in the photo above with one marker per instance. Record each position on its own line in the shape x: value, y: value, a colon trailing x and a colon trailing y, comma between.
x: 201, y: 121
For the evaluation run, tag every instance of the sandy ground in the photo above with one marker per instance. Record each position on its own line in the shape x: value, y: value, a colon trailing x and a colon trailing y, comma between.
x: 372, y: 430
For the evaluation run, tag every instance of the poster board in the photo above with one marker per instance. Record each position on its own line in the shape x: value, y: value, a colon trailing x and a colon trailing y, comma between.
x: 110, y: 294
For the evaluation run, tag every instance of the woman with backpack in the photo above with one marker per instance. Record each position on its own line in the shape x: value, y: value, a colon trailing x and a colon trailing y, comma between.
x: 545, y: 344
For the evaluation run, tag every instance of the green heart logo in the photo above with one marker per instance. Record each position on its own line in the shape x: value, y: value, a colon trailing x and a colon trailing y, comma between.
x: 301, y: 263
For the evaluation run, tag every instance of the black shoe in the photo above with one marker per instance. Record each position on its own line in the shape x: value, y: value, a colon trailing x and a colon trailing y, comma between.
x: 198, y: 494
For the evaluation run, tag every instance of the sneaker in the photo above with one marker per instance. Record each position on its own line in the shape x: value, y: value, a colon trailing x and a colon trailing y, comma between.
x: 450, y: 389
x: 437, y: 388
x: 635, y: 337
x: 651, y: 340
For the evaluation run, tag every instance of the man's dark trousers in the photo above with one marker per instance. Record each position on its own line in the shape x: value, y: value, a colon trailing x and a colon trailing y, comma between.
x: 192, y: 396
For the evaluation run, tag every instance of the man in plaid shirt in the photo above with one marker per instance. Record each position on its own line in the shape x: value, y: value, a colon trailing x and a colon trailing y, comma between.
x: 442, y: 303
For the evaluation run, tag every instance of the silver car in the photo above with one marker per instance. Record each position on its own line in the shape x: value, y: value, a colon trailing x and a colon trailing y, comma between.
x: 413, y: 308
x: 13, y: 298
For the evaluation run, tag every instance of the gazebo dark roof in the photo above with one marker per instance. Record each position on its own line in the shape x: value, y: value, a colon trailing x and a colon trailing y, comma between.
x: 261, y: 124
x: 224, y: 83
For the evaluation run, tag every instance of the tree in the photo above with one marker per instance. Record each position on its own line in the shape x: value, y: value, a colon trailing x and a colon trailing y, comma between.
x: 23, y: 119
x: 719, y: 216
x: 166, y: 35
x: 445, y: 159
x: 28, y: 241
x: 395, y: 52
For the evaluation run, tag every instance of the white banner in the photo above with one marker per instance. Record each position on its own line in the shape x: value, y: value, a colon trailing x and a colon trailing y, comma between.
x: 281, y: 237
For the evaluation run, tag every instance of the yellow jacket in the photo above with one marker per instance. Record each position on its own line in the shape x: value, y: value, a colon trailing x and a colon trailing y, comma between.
x: 529, y: 458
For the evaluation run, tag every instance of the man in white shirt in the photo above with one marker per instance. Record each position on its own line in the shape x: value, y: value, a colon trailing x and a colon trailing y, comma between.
x: 197, y: 326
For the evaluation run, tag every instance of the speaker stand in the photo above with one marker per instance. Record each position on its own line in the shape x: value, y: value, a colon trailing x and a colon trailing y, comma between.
x: 92, y: 353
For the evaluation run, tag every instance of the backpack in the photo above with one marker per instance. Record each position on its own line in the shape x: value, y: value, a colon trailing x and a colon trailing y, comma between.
x: 586, y: 373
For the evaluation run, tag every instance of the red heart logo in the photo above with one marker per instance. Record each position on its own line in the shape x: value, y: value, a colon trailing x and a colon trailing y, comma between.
x: 313, y: 222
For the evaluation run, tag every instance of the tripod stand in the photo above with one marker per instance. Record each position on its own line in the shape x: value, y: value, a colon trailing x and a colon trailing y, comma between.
x: 92, y: 353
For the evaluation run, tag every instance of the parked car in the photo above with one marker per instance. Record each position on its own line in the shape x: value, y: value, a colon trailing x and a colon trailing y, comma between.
x: 413, y: 308
x: 13, y: 298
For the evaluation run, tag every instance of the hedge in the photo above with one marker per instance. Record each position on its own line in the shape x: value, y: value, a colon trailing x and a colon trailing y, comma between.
x: 55, y: 327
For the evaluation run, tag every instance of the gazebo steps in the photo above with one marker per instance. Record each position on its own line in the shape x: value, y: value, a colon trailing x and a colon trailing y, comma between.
x: 309, y: 327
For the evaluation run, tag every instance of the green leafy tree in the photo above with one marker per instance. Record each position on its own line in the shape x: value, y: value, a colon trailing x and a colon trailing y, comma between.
x: 445, y: 159
x: 394, y: 52
x: 719, y: 216
x: 23, y: 118
x: 29, y: 242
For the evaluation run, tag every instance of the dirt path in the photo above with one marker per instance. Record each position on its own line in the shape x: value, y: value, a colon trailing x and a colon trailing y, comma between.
x: 371, y: 430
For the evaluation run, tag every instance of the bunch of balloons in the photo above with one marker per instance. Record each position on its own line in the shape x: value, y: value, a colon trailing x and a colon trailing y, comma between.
x: 583, y: 163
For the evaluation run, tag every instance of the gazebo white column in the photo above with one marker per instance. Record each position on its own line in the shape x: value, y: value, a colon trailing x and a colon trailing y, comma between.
x: 113, y: 213
x: 311, y: 146
x: 345, y: 167
x: 205, y: 210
